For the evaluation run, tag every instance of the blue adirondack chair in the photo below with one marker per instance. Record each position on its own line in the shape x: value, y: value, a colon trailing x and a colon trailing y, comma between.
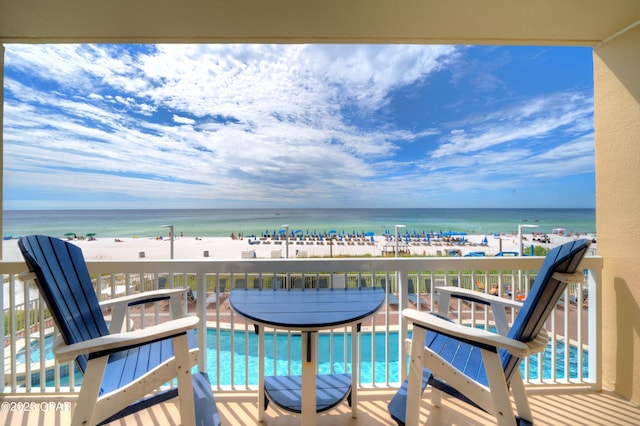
x: 124, y: 371
x: 477, y: 366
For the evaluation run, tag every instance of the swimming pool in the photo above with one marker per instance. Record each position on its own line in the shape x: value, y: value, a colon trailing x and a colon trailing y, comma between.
x: 332, y: 354
x: 248, y: 350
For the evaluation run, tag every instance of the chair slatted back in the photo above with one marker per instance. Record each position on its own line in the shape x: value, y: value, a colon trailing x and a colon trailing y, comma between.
x: 65, y: 284
x: 543, y: 296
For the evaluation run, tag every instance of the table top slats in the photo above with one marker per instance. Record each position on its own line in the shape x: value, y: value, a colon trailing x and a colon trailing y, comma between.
x: 306, y: 309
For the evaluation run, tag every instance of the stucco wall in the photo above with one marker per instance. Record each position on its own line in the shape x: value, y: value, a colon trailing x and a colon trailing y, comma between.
x: 617, y: 135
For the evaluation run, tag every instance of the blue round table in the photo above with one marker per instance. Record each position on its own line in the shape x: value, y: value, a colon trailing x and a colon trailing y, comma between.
x: 307, y: 311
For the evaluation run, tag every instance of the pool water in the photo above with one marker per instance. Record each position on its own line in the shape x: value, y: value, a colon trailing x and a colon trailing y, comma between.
x: 276, y: 357
x: 331, y: 355
x: 325, y: 363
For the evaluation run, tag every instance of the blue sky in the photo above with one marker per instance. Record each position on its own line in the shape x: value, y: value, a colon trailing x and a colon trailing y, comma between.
x: 230, y: 126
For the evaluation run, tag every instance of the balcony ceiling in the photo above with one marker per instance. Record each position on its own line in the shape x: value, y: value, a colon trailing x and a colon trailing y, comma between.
x: 536, y: 22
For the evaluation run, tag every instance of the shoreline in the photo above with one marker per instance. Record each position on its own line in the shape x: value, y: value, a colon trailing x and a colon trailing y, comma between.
x: 222, y: 222
x: 191, y: 248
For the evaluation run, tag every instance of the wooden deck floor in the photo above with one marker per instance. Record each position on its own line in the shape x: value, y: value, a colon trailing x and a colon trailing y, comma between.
x: 551, y: 406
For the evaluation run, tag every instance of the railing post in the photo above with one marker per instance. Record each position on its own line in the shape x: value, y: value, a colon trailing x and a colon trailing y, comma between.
x: 201, y: 310
x: 402, y: 278
x: 594, y: 277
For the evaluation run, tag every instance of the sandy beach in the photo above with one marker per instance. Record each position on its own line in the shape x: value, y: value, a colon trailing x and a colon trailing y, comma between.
x: 228, y: 248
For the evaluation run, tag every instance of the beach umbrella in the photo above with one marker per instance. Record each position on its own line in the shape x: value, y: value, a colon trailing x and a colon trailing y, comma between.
x: 70, y: 234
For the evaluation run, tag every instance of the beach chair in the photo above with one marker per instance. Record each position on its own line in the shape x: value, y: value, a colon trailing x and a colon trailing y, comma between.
x: 124, y: 371
x: 413, y: 295
x: 218, y: 297
x: 477, y: 366
x: 392, y: 299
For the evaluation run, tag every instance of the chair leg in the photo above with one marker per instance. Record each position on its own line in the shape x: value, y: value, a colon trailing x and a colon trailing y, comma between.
x: 87, y: 402
x: 436, y: 397
x: 499, y: 390
x: 520, y: 397
x: 185, y: 384
x: 414, y: 388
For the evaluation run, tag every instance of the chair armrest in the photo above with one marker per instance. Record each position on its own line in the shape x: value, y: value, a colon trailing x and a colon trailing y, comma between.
x: 119, y: 305
x: 113, y: 342
x: 138, y: 298
x: 476, y: 336
x: 476, y: 296
x: 498, y: 304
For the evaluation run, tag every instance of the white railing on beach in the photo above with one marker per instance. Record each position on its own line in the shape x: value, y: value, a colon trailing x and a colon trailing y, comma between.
x: 574, y: 328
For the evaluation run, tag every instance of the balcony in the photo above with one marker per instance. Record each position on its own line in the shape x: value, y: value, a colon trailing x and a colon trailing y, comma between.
x: 551, y: 406
x: 574, y: 329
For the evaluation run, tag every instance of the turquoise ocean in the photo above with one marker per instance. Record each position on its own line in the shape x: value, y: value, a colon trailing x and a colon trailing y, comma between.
x: 222, y: 222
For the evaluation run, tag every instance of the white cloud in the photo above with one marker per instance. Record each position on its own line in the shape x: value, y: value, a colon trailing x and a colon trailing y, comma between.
x: 527, y: 121
x: 183, y: 120
x: 241, y: 123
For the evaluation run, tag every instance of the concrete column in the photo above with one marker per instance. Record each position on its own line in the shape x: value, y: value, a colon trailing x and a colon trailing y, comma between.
x: 616, y: 65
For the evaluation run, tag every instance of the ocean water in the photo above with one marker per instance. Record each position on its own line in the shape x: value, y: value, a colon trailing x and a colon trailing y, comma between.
x: 222, y: 222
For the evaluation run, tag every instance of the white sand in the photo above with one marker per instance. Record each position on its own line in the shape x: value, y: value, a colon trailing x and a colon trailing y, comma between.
x: 226, y: 248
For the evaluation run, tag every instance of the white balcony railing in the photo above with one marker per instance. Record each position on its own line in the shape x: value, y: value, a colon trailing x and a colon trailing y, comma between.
x: 227, y: 343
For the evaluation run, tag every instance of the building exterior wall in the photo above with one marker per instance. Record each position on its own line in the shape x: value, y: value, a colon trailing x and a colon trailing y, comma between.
x: 617, y: 155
